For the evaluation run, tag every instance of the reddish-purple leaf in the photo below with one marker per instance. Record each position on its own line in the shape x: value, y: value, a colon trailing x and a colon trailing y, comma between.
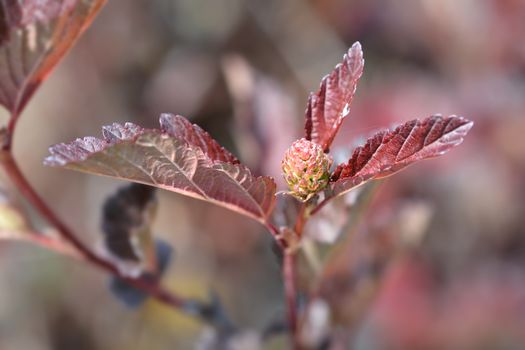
x: 179, y: 127
x: 390, y: 151
x: 327, y: 108
x: 34, y: 36
x: 180, y: 157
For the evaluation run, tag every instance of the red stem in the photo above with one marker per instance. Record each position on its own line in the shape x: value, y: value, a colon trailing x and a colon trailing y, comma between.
x: 281, y: 241
x: 51, y: 243
x: 290, y: 279
x: 320, y: 206
x: 290, y: 291
x: 300, y: 220
x: 19, y: 180
x: 10, y: 131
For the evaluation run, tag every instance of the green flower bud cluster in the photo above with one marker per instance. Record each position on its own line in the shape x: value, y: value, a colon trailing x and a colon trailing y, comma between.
x: 306, y: 168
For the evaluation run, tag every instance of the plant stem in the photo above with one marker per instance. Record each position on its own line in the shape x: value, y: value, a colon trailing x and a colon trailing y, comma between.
x: 25, y: 188
x: 320, y: 205
x: 281, y: 242
x: 290, y: 278
x: 290, y: 291
x: 300, y: 220
x: 51, y: 243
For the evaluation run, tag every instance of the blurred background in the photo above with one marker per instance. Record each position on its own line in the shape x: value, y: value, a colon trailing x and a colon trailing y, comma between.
x: 432, y: 258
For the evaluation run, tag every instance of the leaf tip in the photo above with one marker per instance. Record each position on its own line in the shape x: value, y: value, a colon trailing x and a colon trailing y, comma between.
x: 468, y: 124
x: 356, y: 52
x: 460, y: 125
x: 165, y: 121
x: 51, y: 160
x: 356, y: 47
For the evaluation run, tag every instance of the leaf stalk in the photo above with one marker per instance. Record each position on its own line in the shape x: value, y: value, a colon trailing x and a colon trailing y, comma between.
x: 20, y: 181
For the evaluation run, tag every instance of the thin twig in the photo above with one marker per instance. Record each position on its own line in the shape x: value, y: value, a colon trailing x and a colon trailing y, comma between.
x: 10, y: 131
x: 276, y: 233
x: 290, y: 278
x: 321, y: 205
x: 25, y: 188
x: 290, y: 291
x: 300, y: 220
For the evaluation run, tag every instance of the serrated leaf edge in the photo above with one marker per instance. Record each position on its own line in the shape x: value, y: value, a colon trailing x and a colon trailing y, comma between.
x: 338, y: 186
x: 116, y: 133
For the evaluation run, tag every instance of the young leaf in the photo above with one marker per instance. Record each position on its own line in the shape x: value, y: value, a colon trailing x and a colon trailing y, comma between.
x: 34, y: 36
x: 327, y: 108
x: 388, y: 152
x: 180, y: 157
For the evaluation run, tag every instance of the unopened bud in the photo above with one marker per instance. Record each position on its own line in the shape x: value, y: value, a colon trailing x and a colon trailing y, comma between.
x: 306, y: 168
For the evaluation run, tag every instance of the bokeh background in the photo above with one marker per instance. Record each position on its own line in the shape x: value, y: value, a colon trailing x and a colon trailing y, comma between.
x: 437, y: 258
